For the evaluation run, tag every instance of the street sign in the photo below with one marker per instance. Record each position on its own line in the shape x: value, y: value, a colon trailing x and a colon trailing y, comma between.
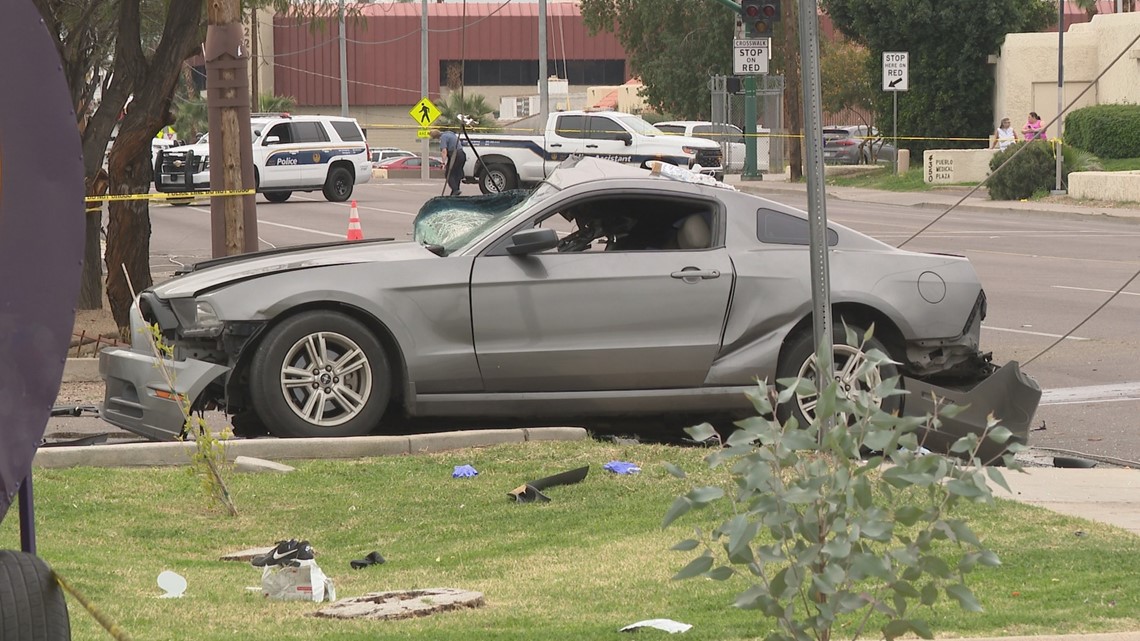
x: 424, y: 113
x: 895, y: 75
x: 422, y: 133
x: 750, y: 56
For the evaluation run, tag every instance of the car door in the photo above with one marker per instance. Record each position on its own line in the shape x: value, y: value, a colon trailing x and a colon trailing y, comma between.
x: 282, y: 162
x: 598, y: 320
x: 314, y: 151
x: 608, y: 140
x: 571, y: 136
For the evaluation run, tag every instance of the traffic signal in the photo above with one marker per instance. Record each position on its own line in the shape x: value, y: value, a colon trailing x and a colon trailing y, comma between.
x: 758, y: 16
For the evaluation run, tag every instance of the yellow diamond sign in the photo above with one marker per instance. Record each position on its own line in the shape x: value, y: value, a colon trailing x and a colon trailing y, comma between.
x: 424, y: 113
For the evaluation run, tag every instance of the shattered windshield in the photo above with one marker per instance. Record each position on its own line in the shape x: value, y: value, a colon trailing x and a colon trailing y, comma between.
x: 455, y: 223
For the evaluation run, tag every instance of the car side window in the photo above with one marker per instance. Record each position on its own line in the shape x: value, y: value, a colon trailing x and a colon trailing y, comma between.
x: 309, y: 132
x: 348, y: 131
x: 283, y: 133
x: 671, y: 129
x: 778, y: 228
x: 602, y: 128
x: 571, y: 126
x: 634, y: 224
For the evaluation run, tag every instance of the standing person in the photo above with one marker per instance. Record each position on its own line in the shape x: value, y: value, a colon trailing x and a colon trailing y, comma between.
x: 1034, y: 129
x: 1004, y: 136
x: 453, y: 158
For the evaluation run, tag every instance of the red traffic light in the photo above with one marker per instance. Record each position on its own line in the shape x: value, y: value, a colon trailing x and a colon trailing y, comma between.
x: 751, y: 11
x: 769, y: 11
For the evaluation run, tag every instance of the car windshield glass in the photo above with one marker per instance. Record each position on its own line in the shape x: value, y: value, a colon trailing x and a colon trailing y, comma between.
x: 458, y: 226
x: 640, y: 126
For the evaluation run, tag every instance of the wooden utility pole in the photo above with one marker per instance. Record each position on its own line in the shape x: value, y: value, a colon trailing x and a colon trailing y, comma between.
x: 255, y: 91
x: 233, y: 219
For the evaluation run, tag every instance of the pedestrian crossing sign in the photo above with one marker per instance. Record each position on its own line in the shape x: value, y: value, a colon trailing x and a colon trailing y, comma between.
x: 424, y: 113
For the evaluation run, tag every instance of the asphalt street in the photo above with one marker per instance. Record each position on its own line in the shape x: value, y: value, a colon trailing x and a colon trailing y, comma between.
x: 1043, y: 274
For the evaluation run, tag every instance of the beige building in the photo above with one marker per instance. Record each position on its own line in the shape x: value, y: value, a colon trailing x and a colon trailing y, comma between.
x: 1026, y: 72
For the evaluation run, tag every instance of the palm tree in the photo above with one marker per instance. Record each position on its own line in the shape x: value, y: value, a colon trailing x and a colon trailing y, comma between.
x: 274, y: 104
x: 471, y: 105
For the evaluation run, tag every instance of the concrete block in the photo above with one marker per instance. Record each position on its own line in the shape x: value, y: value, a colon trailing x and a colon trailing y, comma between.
x: 1121, y: 186
x: 539, y: 434
x: 443, y: 441
x: 947, y: 166
x: 318, y: 448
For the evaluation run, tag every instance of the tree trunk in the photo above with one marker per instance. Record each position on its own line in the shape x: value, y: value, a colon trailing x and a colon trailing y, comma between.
x: 793, y: 92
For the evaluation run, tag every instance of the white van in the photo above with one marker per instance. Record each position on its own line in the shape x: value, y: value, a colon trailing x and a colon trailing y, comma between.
x: 730, y: 137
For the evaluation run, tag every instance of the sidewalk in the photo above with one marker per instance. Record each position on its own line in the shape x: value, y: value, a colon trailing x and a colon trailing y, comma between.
x: 938, y: 199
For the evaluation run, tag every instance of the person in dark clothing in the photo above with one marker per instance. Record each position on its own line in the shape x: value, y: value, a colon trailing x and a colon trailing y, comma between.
x: 453, y: 158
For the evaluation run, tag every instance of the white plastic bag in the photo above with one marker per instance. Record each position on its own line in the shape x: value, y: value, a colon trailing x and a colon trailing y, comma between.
x: 305, y: 582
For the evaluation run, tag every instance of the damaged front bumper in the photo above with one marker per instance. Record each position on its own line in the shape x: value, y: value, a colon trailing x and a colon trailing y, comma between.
x: 1008, y: 394
x: 138, y: 398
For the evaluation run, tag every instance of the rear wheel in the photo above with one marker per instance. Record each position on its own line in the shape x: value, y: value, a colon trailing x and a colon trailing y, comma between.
x: 320, y: 373
x: 277, y: 196
x: 799, y: 361
x: 497, y: 178
x: 179, y: 202
x: 338, y: 185
x: 32, y: 605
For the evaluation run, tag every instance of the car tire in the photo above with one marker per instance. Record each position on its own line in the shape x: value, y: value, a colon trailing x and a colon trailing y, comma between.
x: 32, y: 604
x: 798, y: 358
x: 497, y: 178
x: 303, y: 351
x: 277, y: 196
x: 338, y: 185
x: 179, y: 202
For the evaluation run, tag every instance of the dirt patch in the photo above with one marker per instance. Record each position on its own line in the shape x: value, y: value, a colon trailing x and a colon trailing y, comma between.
x: 94, y: 329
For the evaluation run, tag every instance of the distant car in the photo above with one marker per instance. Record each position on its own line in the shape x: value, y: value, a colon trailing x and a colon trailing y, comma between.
x: 856, y: 145
x: 729, y: 134
x: 387, y: 153
x: 410, y: 162
x: 605, y: 294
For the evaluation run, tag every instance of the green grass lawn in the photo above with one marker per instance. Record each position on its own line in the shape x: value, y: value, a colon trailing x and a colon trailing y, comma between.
x: 884, y: 179
x: 592, y: 560
x: 1120, y: 164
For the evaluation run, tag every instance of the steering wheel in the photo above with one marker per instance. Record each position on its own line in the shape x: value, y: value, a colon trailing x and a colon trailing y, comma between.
x: 580, y: 239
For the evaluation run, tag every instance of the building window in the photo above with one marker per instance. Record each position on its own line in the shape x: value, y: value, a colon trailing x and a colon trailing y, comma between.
x: 525, y: 72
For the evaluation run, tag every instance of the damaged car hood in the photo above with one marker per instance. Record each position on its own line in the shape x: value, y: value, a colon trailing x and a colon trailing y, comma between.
x: 224, y: 271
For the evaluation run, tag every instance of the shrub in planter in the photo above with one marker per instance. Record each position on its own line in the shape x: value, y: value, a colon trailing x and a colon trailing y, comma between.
x: 1109, y: 131
x: 1031, y: 171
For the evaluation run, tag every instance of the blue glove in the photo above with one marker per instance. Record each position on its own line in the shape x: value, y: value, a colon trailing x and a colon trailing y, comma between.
x: 464, y: 472
x: 622, y: 467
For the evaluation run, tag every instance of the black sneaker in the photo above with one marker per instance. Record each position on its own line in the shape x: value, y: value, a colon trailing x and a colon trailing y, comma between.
x: 283, y: 553
x: 304, y: 551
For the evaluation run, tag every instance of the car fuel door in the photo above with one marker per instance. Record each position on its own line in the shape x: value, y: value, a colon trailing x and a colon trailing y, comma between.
x: 599, y: 320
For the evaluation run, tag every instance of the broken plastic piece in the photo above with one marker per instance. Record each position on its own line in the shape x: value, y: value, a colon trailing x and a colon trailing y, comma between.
x: 464, y: 471
x: 622, y: 467
x: 173, y: 583
x: 532, y: 491
x: 668, y: 625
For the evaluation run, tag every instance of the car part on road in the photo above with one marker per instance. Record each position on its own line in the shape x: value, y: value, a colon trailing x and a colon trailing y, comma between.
x: 320, y: 373
x: 531, y: 492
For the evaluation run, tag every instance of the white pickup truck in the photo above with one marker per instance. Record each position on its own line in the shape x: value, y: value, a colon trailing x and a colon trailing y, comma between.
x: 506, y: 161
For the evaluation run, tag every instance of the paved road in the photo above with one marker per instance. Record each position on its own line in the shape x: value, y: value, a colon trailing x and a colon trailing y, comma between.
x: 1043, y: 275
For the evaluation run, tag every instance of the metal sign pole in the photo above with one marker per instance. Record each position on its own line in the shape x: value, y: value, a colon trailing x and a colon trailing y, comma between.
x: 895, y: 128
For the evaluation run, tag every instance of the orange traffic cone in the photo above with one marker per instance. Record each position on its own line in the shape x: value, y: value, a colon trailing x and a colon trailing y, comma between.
x: 354, y: 230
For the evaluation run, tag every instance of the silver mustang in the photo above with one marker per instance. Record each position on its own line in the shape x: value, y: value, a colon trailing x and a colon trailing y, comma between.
x: 605, y: 294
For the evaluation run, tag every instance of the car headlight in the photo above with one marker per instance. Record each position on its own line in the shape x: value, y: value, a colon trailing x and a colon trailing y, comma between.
x: 205, y: 322
x: 690, y: 150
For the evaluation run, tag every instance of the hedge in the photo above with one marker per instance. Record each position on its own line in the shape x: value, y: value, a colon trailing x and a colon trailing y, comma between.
x: 1109, y: 131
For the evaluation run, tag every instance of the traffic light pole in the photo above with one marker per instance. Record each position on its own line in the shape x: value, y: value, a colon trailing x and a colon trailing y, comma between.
x: 750, y: 172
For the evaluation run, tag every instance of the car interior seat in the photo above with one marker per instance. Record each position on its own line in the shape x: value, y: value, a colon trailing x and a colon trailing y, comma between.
x: 694, y: 233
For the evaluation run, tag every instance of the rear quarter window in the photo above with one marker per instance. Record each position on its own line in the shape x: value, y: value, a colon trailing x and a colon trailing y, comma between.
x: 778, y: 228
x: 348, y: 131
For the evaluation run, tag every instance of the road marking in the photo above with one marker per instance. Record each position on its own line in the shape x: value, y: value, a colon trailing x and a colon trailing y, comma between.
x: 1024, y: 331
x: 1102, y: 291
x: 1113, y: 393
x: 295, y: 228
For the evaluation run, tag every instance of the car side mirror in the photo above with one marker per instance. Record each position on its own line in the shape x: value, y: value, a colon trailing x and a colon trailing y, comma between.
x: 625, y: 137
x: 272, y: 140
x: 529, y: 241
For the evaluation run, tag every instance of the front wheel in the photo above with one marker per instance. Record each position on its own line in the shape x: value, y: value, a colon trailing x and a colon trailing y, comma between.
x: 338, y: 185
x: 320, y: 373
x: 277, y: 196
x: 799, y: 360
x: 497, y: 178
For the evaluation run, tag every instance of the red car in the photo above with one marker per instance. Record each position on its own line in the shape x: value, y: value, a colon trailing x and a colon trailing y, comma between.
x: 410, y: 162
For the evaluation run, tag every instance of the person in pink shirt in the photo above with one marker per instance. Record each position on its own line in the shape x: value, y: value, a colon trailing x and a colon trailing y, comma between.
x: 1034, y: 129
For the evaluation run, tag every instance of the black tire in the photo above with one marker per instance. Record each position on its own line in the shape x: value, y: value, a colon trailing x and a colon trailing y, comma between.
x: 180, y: 202
x: 356, y: 401
x: 338, y: 185
x: 798, y: 359
x: 32, y: 605
x: 497, y: 178
x: 277, y: 196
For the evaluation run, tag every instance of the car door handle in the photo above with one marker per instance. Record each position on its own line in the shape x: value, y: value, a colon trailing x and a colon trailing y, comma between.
x: 555, y: 144
x: 693, y: 274
x: 591, y: 146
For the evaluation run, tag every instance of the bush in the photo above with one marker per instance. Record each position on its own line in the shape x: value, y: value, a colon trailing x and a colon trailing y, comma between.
x: 1109, y: 131
x: 1031, y: 171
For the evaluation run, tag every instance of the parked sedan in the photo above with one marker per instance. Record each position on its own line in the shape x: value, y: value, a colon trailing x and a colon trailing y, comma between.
x: 410, y: 162
x: 605, y: 294
x: 379, y: 156
x: 853, y: 145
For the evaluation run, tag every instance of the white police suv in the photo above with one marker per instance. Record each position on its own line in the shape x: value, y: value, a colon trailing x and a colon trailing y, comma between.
x: 290, y: 153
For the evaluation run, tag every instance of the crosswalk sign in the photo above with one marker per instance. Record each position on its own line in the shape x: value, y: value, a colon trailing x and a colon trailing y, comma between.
x: 424, y: 113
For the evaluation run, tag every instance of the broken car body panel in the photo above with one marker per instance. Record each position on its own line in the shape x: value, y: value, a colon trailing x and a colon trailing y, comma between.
x: 655, y: 298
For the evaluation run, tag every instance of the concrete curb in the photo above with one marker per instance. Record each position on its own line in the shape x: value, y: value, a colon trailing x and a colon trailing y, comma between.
x: 274, y: 449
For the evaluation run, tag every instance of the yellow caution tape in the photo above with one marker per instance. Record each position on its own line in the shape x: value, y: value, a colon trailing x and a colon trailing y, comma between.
x: 188, y: 195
